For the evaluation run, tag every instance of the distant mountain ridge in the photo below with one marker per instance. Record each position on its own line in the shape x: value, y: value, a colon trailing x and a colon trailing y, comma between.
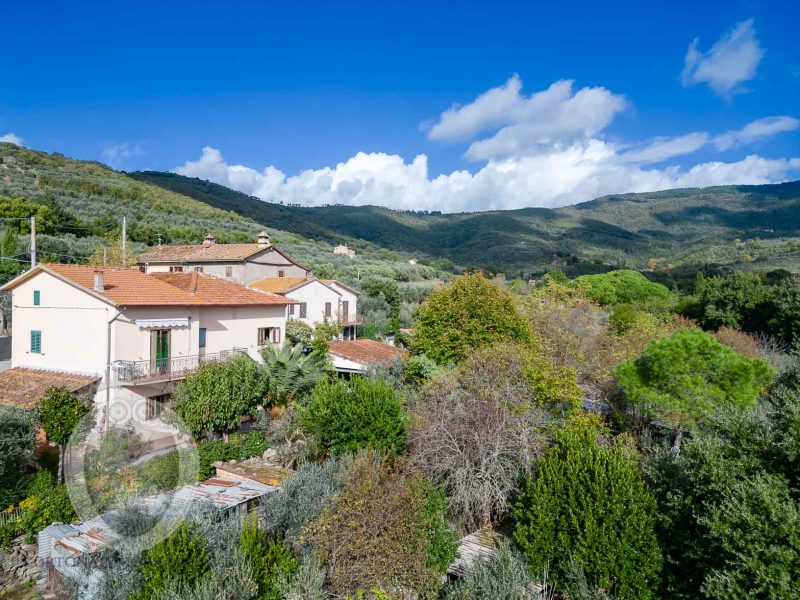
x: 737, y: 226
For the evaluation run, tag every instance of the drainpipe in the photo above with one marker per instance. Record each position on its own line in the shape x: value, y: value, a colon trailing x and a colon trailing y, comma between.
x: 108, y: 368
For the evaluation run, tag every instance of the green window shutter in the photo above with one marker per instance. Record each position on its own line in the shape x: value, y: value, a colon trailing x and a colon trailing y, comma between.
x: 37, y: 298
x: 202, y: 337
x: 36, y: 342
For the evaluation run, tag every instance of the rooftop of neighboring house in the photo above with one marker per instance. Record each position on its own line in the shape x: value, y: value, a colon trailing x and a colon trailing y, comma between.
x: 208, y: 251
x: 366, y: 351
x: 131, y: 287
x: 219, y: 291
x: 283, y: 285
x: 23, y: 387
x: 340, y: 284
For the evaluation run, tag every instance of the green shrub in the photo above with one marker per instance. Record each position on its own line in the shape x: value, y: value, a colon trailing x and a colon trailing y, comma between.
x: 215, y: 397
x: 45, y: 502
x: 469, y: 312
x: 442, y: 539
x: 345, y: 416
x: 419, y: 369
x: 272, y: 560
x: 238, y: 447
x: 735, y: 300
x: 17, y: 442
x: 683, y: 377
x: 587, y: 503
x: 181, y: 559
x: 622, y: 319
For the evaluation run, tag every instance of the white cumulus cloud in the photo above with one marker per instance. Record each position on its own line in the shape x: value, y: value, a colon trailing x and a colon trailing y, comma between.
x: 732, y: 60
x: 544, y: 149
x: 525, y: 125
x: 11, y: 138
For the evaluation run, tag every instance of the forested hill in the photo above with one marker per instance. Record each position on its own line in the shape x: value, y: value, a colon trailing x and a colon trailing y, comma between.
x: 79, y: 207
x: 751, y: 227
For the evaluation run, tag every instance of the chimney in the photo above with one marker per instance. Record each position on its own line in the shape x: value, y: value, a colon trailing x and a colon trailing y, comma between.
x: 99, y: 281
x: 209, y: 241
x: 263, y: 239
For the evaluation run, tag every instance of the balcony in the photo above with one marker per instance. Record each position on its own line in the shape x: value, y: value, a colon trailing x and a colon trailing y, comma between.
x: 142, y: 372
x: 354, y: 319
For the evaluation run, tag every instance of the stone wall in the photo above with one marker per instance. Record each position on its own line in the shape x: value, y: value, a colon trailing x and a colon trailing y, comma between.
x: 18, y: 563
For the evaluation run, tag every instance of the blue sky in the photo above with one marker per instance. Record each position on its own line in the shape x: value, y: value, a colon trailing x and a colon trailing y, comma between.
x: 320, y: 102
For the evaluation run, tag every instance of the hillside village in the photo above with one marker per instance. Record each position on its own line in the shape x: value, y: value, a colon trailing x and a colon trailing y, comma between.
x: 203, y: 413
x: 128, y: 335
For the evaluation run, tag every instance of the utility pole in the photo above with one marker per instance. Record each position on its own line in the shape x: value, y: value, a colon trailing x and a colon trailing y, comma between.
x: 105, y: 252
x: 33, y: 242
x: 124, y: 227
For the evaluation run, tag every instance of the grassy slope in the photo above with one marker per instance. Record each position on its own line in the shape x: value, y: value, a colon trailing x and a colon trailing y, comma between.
x: 682, y: 227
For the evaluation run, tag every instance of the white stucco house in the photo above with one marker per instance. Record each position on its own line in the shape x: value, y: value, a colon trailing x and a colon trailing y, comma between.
x: 318, y: 301
x: 131, y: 335
x: 240, y: 263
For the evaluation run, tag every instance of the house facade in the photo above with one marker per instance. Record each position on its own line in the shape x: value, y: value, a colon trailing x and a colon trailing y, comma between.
x: 137, y: 335
x: 239, y: 263
x: 318, y: 301
x: 348, y: 309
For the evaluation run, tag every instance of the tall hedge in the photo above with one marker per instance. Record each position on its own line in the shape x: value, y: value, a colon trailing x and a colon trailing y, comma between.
x: 587, y: 506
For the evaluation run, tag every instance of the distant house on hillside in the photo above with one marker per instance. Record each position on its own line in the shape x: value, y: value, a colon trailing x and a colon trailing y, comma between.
x: 240, y: 263
x: 343, y: 249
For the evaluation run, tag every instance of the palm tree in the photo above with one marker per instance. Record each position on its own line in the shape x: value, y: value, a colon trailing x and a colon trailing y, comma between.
x: 291, y: 373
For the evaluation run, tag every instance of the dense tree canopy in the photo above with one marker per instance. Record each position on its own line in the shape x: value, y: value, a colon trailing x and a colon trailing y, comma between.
x: 586, y: 503
x: 619, y: 287
x: 729, y: 507
x: 682, y: 378
x: 469, y: 312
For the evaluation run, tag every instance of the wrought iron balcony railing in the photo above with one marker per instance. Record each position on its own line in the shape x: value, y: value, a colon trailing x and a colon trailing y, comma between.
x: 149, y: 371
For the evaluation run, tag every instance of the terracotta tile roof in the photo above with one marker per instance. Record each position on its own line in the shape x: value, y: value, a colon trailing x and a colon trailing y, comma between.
x: 211, y: 290
x: 279, y: 285
x: 24, y: 387
x: 201, y: 253
x: 131, y: 287
x: 340, y: 284
x: 127, y: 287
x: 366, y: 351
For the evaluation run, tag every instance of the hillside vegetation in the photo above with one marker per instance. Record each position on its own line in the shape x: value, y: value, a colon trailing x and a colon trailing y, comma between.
x: 745, y: 227
x: 79, y: 207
